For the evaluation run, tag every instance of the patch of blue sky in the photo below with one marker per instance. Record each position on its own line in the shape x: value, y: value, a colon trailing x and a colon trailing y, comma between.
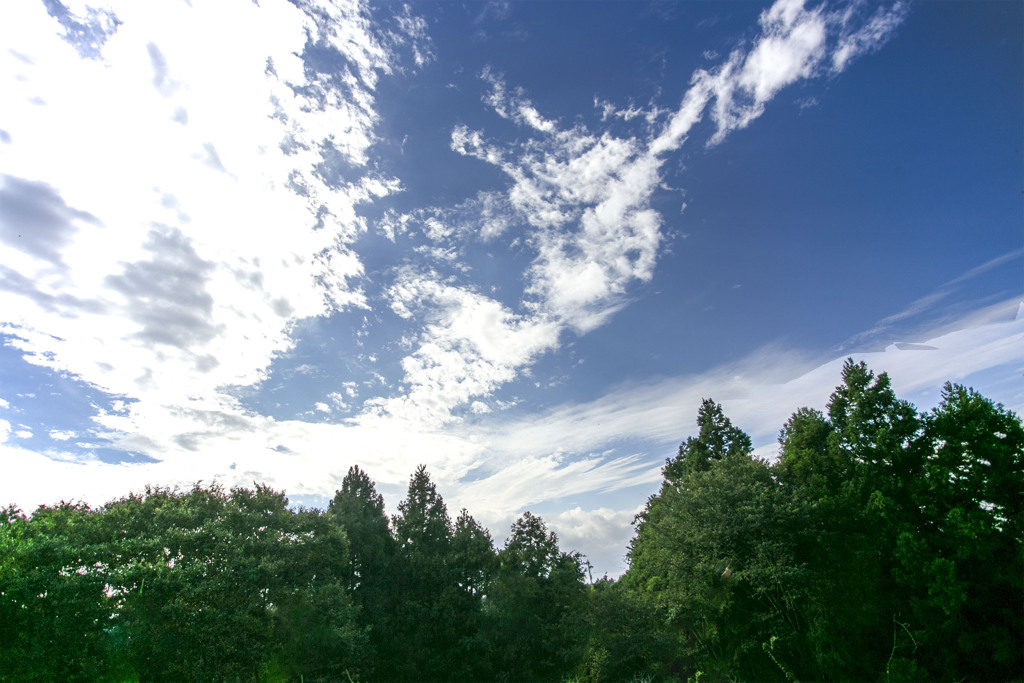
x: 336, y: 363
x: 51, y: 411
x: 88, y: 33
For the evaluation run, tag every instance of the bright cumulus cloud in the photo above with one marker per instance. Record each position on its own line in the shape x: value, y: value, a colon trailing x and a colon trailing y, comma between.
x: 264, y: 242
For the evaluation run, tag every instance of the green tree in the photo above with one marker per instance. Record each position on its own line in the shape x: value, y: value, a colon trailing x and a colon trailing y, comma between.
x: 217, y: 585
x: 714, y: 552
x: 193, y: 596
x: 879, y: 434
x: 962, y: 568
x: 358, y: 508
x: 425, y: 635
x: 910, y: 529
x: 536, y: 616
x: 850, y: 475
x: 716, y: 439
x: 473, y: 563
x: 626, y: 640
x: 809, y: 456
x: 54, y: 607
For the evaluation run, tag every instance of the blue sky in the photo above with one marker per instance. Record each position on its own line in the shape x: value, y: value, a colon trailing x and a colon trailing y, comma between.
x: 515, y: 242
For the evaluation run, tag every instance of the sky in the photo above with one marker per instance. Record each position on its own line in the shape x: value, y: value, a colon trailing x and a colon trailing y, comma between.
x: 516, y: 242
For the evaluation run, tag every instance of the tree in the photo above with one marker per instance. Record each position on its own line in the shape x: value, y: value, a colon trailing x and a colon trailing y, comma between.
x: 715, y: 553
x: 716, y: 439
x: 473, y: 563
x: 531, y: 550
x: 473, y: 557
x: 910, y: 527
x: 850, y: 477
x: 878, y: 433
x: 422, y: 527
x: 425, y: 632
x: 808, y: 455
x: 626, y: 640
x: 193, y: 601
x: 54, y: 610
x: 962, y: 568
x: 217, y: 585
x: 358, y: 509
x: 536, y: 606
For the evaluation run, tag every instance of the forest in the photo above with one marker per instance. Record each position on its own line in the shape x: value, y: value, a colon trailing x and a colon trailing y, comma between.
x: 883, y: 544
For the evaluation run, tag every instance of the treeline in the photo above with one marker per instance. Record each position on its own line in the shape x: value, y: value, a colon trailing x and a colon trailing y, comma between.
x: 216, y: 585
x: 883, y: 544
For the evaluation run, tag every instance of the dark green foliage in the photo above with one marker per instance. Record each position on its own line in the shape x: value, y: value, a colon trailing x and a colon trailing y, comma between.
x: 54, y: 611
x: 850, y: 479
x: 882, y: 545
x: 473, y: 563
x: 713, y: 550
x: 424, y: 616
x: 627, y: 640
x: 716, y: 439
x: 206, y: 585
x: 359, y: 510
x: 535, y: 608
x: 221, y: 579
x: 962, y: 567
x: 473, y: 558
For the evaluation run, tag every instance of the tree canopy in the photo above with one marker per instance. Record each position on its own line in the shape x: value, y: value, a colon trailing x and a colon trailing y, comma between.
x: 882, y: 544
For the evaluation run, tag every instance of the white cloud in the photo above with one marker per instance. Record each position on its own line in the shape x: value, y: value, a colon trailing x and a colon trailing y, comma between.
x: 413, y: 32
x: 485, y: 217
x: 794, y: 43
x: 514, y: 105
x: 857, y: 40
x: 586, y: 197
x: 790, y: 47
x: 167, y: 281
x: 520, y: 481
x: 469, y: 345
x: 603, y: 532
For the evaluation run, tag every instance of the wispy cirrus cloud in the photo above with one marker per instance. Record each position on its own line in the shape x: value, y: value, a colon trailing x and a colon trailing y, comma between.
x: 929, y: 301
x: 857, y: 37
